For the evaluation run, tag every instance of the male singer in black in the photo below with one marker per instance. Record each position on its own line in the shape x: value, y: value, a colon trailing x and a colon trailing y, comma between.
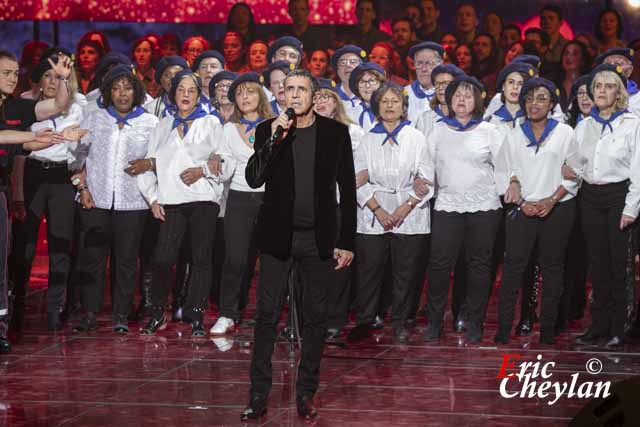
x: 298, y: 222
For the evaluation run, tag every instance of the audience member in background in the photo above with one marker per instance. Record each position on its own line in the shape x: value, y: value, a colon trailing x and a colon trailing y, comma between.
x: 486, y: 61
x: 430, y: 31
x: 466, y: 22
x: 31, y: 55
x: 403, y: 38
x: 88, y: 54
x: 194, y: 46
x: 313, y: 37
x: 234, y: 51
x: 516, y: 49
x: 169, y: 45
x: 590, y: 41
x: 450, y: 42
x: 510, y: 34
x: 550, y: 22
x: 414, y: 12
x: 241, y: 21
x: 366, y: 33
x: 609, y: 29
x: 98, y: 37
x: 319, y: 63
x: 384, y: 55
x: 635, y: 46
x: 145, y: 56
x: 463, y: 58
x: 257, y: 56
x: 541, y: 41
x: 492, y: 24
x: 575, y: 63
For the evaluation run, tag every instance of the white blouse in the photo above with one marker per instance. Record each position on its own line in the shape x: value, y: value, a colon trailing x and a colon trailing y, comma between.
x: 235, y: 153
x: 174, y: 155
x: 356, y: 133
x: 634, y: 104
x: 417, y: 106
x: 540, y: 174
x: 108, y: 151
x: 156, y: 107
x: 503, y: 126
x: 367, y: 122
x: 392, y: 169
x: 606, y: 157
x: 426, y: 121
x: 462, y: 164
x: 64, y: 152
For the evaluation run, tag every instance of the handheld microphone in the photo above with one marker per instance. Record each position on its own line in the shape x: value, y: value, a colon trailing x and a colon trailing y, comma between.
x: 280, y: 130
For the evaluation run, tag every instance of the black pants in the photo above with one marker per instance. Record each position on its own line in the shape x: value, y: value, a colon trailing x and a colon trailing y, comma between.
x: 109, y: 234
x: 373, y: 251
x: 315, y: 274
x: 197, y: 220
x: 609, y: 250
x: 450, y: 230
x: 219, y: 252
x: 550, y: 236
x: 5, y: 235
x: 240, y: 253
x: 47, y: 192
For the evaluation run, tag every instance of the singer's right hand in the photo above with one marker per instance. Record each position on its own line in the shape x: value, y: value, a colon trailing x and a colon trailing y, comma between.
x: 281, y: 120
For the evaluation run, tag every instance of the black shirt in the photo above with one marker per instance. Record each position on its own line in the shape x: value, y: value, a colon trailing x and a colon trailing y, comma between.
x: 15, y: 114
x: 304, y: 153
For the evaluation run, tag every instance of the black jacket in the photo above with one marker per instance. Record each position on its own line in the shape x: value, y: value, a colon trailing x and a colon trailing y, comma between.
x: 272, y: 165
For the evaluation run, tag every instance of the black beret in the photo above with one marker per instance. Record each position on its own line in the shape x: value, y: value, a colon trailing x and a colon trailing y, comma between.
x: 348, y: 48
x: 283, y: 66
x: 515, y: 67
x: 207, y: 54
x: 243, y: 78
x: 359, y: 71
x: 537, y: 82
x: 169, y: 61
x: 426, y: 45
x: 281, y: 42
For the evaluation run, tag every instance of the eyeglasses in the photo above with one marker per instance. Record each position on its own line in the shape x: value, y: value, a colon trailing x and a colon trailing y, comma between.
x: 582, y: 94
x: 442, y: 85
x: 427, y: 64
x: 538, y: 99
x: 323, y: 97
x: 353, y: 61
x: 392, y: 102
x: 223, y: 86
x: 369, y: 83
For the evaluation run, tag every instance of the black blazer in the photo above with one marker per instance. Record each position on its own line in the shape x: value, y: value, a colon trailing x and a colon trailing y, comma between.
x: 272, y: 165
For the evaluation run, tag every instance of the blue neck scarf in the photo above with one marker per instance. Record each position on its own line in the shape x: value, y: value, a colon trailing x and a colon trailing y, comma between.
x: 506, y: 116
x: 605, y: 122
x: 195, y: 114
x: 391, y: 136
x: 632, y: 87
x: 217, y: 114
x: 528, y: 132
x: 439, y: 112
x: 275, y: 107
x: 204, y: 100
x: 366, y: 110
x: 343, y: 96
x: 251, y: 125
x: 418, y: 92
x: 169, y: 108
x: 135, y: 112
x: 100, y: 102
x: 454, y: 123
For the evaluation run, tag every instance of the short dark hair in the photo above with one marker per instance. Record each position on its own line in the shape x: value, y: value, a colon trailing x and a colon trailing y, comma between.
x: 434, y: 2
x: 620, y: 29
x: 544, y: 37
x: 467, y: 3
x: 403, y: 19
x: 552, y: 8
x: 138, y: 90
x: 5, y: 54
x: 174, y: 88
x: 478, y: 101
x: 513, y: 27
x: 301, y: 72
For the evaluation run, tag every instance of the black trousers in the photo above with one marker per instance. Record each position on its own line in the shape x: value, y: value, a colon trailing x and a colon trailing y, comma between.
x: 5, y: 235
x: 47, y: 192
x: 609, y: 250
x: 115, y: 235
x: 450, y: 230
x: 315, y: 274
x: 550, y: 236
x: 219, y: 252
x: 373, y: 251
x: 197, y: 220
x: 240, y: 251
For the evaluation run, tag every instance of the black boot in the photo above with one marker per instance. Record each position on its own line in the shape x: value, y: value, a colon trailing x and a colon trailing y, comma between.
x: 54, y: 320
x: 157, y: 322
x: 5, y: 344
x: 197, y: 323
x: 180, y: 297
x: 87, y: 324
x: 144, y: 308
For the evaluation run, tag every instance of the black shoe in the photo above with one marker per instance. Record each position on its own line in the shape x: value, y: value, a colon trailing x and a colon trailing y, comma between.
x: 87, y: 324
x: 590, y: 337
x: 433, y: 332
x: 197, y: 329
x: 306, y: 408
x: 378, y: 323
x: 332, y: 333
x: 460, y: 325
x: 524, y: 328
x: 359, y: 333
x: 54, y: 323
x: 473, y: 334
x: 120, y: 324
x: 5, y: 345
x: 402, y: 335
x: 154, y: 326
x: 502, y: 336
x: 547, y: 339
x: 615, y: 343
x: 255, y: 410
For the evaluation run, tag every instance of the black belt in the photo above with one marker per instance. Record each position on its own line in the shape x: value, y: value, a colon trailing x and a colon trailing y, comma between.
x: 46, y: 164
